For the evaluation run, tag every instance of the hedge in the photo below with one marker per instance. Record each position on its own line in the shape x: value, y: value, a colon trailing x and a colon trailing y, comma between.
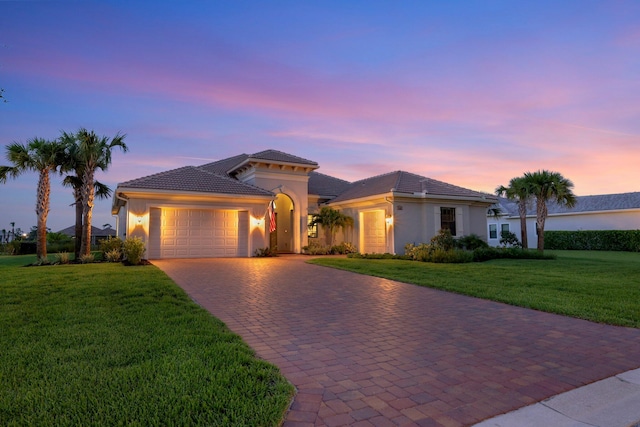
x: 593, y: 240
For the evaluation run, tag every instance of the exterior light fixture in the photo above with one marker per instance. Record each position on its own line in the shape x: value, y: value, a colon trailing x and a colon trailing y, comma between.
x: 389, y: 220
x: 139, y: 219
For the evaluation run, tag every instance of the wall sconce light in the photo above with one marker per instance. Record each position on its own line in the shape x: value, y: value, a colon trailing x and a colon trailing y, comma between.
x: 257, y: 222
x: 139, y: 219
x: 389, y: 220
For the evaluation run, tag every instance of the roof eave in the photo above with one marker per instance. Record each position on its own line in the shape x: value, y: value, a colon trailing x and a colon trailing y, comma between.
x: 151, y: 191
x: 250, y: 160
x: 482, y: 199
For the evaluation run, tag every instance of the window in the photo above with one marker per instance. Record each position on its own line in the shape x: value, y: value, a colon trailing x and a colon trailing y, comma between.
x: 448, y: 220
x: 504, y: 228
x: 493, y: 231
x: 312, y: 230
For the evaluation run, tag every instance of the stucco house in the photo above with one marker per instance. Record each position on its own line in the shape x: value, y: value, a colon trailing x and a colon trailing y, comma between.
x: 599, y: 212
x: 223, y: 208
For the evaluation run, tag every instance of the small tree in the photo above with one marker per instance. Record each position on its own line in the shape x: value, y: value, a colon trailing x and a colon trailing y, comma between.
x: 544, y: 186
x: 44, y: 157
x: 85, y: 154
x: 331, y: 220
x: 520, y: 192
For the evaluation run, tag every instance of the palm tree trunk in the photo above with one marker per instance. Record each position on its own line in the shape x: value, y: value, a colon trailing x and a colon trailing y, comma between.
x: 88, y: 193
x: 42, y: 211
x: 541, y: 216
x: 522, y: 209
x: 78, y: 227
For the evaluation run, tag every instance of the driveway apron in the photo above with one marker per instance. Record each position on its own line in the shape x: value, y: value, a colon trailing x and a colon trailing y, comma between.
x: 374, y: 352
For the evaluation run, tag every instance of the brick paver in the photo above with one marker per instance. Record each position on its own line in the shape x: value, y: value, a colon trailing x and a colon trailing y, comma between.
x: 374, y: 352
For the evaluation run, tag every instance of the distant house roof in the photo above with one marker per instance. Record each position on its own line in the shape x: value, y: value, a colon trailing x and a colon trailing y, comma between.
x: 405, y: 182
x: 602, y: 202
x: 95, y: 231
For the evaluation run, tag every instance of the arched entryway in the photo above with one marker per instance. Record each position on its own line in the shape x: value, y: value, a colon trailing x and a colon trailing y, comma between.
x: 282, y: 239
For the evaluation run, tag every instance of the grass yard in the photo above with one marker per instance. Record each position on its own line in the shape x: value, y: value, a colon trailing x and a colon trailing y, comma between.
x: 104, y: 344
x: 599, y: 286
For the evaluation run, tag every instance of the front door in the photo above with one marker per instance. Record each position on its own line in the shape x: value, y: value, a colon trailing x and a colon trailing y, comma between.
x: 282, y: 238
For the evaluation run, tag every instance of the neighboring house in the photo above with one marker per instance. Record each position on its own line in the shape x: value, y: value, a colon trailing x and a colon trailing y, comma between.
x: 222, y: 208
x: 96, y: 234
x: 601, y: 212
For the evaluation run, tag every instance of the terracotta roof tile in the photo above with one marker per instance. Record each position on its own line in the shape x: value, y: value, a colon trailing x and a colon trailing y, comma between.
x: 279, y: 156
x: 191, y: 178
x: 222, y: 166
x: 325, y: 185
x: 405, y: 182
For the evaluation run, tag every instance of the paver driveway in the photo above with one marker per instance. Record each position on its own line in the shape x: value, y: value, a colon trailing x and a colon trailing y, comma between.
x: 374, y: 352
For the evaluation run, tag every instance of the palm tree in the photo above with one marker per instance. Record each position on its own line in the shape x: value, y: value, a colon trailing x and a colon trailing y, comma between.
x: 331, y: 219
x: 41, y: 156
x: 74, y: 167
x: 518, y: 191
x: 93, y: 153
x: 544, y: 186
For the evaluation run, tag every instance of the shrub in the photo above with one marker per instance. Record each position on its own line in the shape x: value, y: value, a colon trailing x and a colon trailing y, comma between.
x: 471, y: 242
x: 133, y: 249
x: 110, y: 244
x: 62, y: 258
x: 23, y: 248
x: 87, y: 259
x: 343, y: 248
x: 422, y: 252
x: 357, y: 255
x: 265, y: 252
x: 7, y: 248
x: 315, y: 248
x: 509, y: 239
x: 114, y: 255
x: 42, y: 261
x: 443, y: 240
x: 453, y: 256
x: 594, y: 240
x: 58, y: 247
x: 486, y: 254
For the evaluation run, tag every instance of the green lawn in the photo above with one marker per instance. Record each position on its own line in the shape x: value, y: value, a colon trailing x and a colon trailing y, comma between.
x: 104, y: 344
x: 599, y: 286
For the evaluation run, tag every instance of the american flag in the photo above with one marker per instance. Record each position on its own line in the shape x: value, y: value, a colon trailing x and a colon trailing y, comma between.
x: 272, y: 217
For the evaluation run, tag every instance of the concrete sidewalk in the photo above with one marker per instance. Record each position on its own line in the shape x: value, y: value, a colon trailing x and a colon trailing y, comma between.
x: 612, y: 402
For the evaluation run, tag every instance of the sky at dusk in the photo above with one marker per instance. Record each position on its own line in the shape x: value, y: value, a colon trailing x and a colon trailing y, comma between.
x: 468, y: 92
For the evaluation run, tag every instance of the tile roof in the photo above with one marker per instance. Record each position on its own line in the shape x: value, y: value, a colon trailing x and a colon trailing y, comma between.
x: 224, y: 166
x: 279, y: 156
x: 405, y: 182
x: 325, y: 185
x: 602, y: 202
x: 196, y: 179
x: 95, y: 231
x: 221, y: 167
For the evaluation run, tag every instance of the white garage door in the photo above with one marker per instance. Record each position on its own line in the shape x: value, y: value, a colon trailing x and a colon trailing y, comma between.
x: 198, y: 233
x: 373, y: 232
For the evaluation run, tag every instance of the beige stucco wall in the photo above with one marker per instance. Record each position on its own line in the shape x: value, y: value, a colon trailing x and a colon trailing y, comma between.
x: 294, y: 185
x: 134, y: 216
x: 415, y: 219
